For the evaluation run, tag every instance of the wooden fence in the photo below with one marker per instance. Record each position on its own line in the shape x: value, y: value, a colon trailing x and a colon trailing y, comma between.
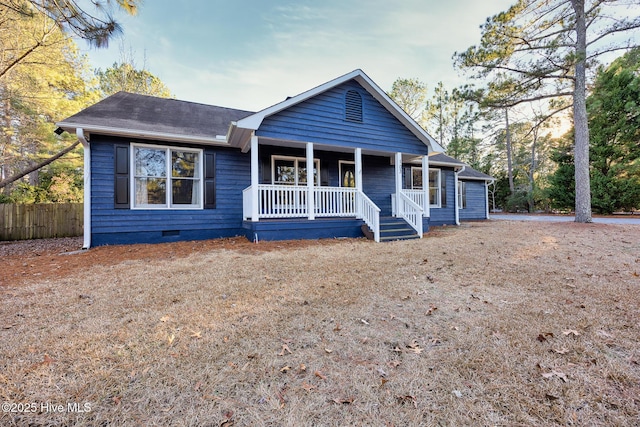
x: 40, y: 221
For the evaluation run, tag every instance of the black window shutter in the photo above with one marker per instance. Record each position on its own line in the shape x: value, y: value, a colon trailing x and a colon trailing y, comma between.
x: 209, y: 180
x: 121, y: 177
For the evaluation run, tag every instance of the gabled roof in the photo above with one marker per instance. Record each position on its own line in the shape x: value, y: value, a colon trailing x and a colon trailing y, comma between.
x: 241, y: 130
x: 472, y: 174
x: 149, y: 117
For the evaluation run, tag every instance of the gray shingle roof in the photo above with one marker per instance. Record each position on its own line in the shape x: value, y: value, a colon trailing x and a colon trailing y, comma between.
x: 443, y: 158
x: 129, y: 111
x: 471, y: 173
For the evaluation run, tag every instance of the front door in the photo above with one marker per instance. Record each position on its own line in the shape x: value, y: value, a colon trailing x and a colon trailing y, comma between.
x: 347, y: 174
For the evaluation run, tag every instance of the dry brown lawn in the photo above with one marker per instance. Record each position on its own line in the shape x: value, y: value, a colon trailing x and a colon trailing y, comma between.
x: 493, y: 323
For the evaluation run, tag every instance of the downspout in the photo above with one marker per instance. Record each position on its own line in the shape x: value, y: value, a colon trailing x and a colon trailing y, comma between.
x: 87, y: 188
x: 455, y: 192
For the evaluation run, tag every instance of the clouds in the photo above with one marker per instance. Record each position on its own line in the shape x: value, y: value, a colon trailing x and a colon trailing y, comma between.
x: 251, y: 54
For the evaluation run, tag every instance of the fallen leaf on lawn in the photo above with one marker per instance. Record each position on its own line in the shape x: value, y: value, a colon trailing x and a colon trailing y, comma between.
x: 320, y: 375
x: 431, y: 310
x: 403, y: 400
x: 171, y: 339
x: 47, y: 360
x: 572, y: 332
x: 285, y: 349
x: 383, y: 381
x: 551, y: 397
x: 337, y: 327
x: 285, y: 369
x: 308, y: 387
x: 552, y: 374
x: 196, y: 334
x: 414, y: 347
x: 328, y: 350
x: 394, y: 363
x: 116, y: 399
x: 302, y: 367
x: 228, y: 419
x: 561, y: 351
x: 165, y: 319
x: 543, y: 336
x: 344, y: 400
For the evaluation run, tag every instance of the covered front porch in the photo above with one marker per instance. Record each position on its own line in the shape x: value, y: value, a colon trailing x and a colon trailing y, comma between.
x: 349, y: 188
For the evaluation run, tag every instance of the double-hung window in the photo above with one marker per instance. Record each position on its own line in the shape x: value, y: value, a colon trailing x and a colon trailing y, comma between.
x: 166, y: 177
x: 292, y: 170
x: 437, y: 193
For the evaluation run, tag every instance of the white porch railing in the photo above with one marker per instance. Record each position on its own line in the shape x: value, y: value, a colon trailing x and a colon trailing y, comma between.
x: 335, y: 201
x: 410, y: 211
x: 290, y: 201
x: 370, y: 214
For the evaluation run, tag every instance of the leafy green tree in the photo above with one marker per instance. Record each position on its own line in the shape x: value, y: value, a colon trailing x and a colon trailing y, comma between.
x: 614, y: 119
x: 545, y: 46
x: 43, y: 87
x: 410, y: 95
x: 96, y: 26
x: 124, y: 76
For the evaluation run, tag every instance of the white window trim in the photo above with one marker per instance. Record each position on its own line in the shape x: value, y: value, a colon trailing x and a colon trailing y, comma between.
x: 438, y: 185
x: 168, y: 205
x: 297, y: 161
x: 462, y: 191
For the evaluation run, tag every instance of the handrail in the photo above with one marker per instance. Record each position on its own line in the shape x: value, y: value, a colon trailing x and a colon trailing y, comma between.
x: 370, y: 214
x: 410, y: 211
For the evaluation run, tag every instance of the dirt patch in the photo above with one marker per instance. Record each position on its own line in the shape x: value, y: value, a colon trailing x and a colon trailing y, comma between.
x: 491, y: 323
x: 48, y: 259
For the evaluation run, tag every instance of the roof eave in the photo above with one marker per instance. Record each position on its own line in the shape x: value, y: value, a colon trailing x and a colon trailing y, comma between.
x: 253, y: 122
x: 142, y: 134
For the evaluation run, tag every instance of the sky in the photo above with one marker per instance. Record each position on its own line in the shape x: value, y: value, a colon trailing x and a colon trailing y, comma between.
x: 251, y: 54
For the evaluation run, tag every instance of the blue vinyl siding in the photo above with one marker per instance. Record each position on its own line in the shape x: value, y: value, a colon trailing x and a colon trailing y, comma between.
x: 114, y: 226
x: 300, y: 228
x: 476, y: 201
x: 447, y: 214
x: 321, y: 120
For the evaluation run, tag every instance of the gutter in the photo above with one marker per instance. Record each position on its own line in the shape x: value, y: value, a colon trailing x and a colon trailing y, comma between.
x: 455, y: 186
x: 87, y: 188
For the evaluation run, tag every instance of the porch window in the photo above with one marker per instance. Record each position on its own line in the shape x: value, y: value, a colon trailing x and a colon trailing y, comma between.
x: 437, y: 192
x: 292, y: 170
x: 166, y: 177
x: 462, y: 195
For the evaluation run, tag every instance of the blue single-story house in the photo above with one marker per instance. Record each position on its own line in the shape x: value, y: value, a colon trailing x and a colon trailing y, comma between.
x: 160, y: 170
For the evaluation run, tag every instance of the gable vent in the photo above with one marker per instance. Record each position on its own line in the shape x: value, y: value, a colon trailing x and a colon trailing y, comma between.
x: 353, y: 106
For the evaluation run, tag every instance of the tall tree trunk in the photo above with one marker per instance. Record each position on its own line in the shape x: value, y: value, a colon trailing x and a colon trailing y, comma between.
x: 532, y: 171
x: 509, y: 161
x: 580, y: 122
x: 40, y: 165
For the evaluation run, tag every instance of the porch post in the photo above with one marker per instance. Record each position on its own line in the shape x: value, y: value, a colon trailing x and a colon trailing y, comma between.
x: 425, y: 186
x: 255, y: 193
x: 358, y: 166
x: 398, y: 180
x: 310, y: 196
x: 357, y: 160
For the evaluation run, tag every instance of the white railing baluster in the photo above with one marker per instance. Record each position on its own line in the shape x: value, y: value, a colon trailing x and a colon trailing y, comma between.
x: 409, y: 210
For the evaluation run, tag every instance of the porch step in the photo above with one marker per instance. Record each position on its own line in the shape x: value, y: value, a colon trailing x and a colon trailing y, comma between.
x: 392, y: 228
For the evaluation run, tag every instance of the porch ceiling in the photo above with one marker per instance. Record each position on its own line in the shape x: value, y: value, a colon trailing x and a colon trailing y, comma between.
x: 408, y: 158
